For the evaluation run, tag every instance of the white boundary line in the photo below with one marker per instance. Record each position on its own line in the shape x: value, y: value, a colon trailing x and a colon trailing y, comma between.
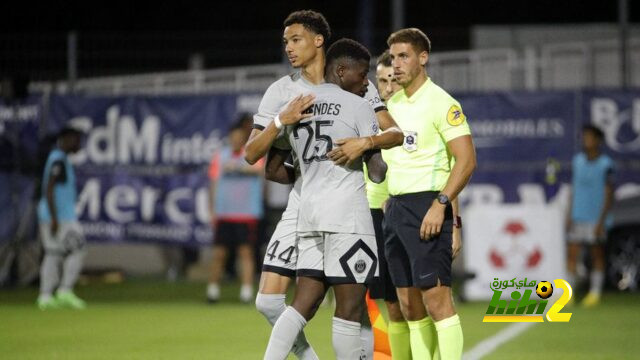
x: 489, y: 344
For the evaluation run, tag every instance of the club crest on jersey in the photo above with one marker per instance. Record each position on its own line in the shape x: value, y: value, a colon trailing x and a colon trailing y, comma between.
x: 410, y: 141
x: 455, y: 116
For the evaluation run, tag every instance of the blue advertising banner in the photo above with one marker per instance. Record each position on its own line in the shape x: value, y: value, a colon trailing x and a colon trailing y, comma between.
x: 142, y: 171
x: 19, y: 154
x: 521, y: 138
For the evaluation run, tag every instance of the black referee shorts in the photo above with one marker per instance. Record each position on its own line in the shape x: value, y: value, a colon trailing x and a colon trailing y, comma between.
x: 382, y: 287
x: 414, y: 262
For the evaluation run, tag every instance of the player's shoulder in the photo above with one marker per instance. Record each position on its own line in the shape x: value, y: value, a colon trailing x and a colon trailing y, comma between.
x: 283, y: 82
x: 356, y: 101
x: 346, y: 98
x: 56, y: 155
x: 606, y: 160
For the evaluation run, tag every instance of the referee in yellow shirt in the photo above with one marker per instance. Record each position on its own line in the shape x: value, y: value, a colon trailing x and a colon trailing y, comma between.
x: 422, y: 183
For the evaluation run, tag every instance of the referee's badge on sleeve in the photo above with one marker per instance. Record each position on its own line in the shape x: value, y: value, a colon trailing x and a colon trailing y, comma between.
x: 410, y: 141
x: 455, y: 116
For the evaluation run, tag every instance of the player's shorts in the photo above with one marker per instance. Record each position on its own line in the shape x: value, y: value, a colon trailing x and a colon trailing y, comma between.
x: 584, y: 233
x: 68, y: 238
x: 382, y: 287
x: 282, y: 252
x: 338, y: 258
x: 414, y: 262
x: 233, y: 233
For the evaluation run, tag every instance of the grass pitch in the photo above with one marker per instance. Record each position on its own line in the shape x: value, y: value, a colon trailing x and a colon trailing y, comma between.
x: 150, y: 319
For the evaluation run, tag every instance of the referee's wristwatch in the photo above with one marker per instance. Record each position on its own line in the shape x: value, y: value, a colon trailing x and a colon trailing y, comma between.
x: 443, y: 199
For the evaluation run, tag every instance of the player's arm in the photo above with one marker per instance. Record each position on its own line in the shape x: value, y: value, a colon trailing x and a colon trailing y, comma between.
x: 57, y: 174
x: 376, y: 167
x: 464, y: 154
x: 350, y: 149
x: 252, y: 169
x: 569, y: 215
x: 214, y: 175
x: 261, y: 140
x: 608, y: 202
x: 278, y: 168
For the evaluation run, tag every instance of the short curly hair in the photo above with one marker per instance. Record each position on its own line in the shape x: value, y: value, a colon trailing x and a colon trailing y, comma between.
x: 311, y: 20
x: 347, y: 48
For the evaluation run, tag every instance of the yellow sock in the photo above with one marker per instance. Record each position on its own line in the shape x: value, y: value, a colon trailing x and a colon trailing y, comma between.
x: 432, y: 340
x: 399, y: 340
x: 422, y: 343
x: 450, y: 339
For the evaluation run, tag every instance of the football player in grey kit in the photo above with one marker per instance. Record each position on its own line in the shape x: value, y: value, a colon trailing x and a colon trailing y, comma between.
x: 305, y: 35
x: 336, y: 245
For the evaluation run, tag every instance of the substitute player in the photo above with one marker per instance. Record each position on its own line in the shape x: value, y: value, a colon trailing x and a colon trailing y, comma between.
x: 336, y: 243
x: 236, y: 208
x: 422, y: 183
x: 591, y: 200
x: 305, y: 35
x: 61, y: 234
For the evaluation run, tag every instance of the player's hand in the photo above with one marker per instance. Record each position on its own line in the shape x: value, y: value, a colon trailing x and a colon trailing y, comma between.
x: 456, y: 243
x: 349, y: 150
x: 432, y: 222
x: 230, y: 167
x: 599, y: 231
x: 212, y: 217
x: 568, y: 224
x: 54, y: 227
x: 384, y: 206
x: 293, y: 113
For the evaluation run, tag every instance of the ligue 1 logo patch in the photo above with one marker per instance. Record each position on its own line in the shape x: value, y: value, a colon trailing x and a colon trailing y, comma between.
x: 410, y: 141
x: 455, y: 116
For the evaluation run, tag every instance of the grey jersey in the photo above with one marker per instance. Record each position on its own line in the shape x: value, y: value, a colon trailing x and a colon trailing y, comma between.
x: 333, y: 198
x: 281, y: 92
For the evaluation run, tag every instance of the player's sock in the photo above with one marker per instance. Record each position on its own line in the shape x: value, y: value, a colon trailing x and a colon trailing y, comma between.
x: 450, y: 338
x: 213, y: 292
x: 571, y: 278
x: 421, y: 340
x: 284, y: 334
x: 399, y: 339
x: 366, y: 337
x: 272, y: 306
x: 597, y: 281
x: 49, y: 274
x: 432, y: 340
x: 246, y: 293
x: 346, y: 339
x: 71, y: 270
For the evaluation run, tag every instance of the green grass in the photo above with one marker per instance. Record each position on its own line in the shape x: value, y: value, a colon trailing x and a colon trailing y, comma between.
x: 609, y: 331
x: 158, y: 320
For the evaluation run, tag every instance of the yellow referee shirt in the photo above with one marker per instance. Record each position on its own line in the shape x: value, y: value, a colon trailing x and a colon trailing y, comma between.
x: 429, y: 119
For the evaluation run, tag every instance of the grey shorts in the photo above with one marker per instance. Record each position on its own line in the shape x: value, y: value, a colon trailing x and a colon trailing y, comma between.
x: 584, y: 233
x: 339, y: 258
x: 68, y: 238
